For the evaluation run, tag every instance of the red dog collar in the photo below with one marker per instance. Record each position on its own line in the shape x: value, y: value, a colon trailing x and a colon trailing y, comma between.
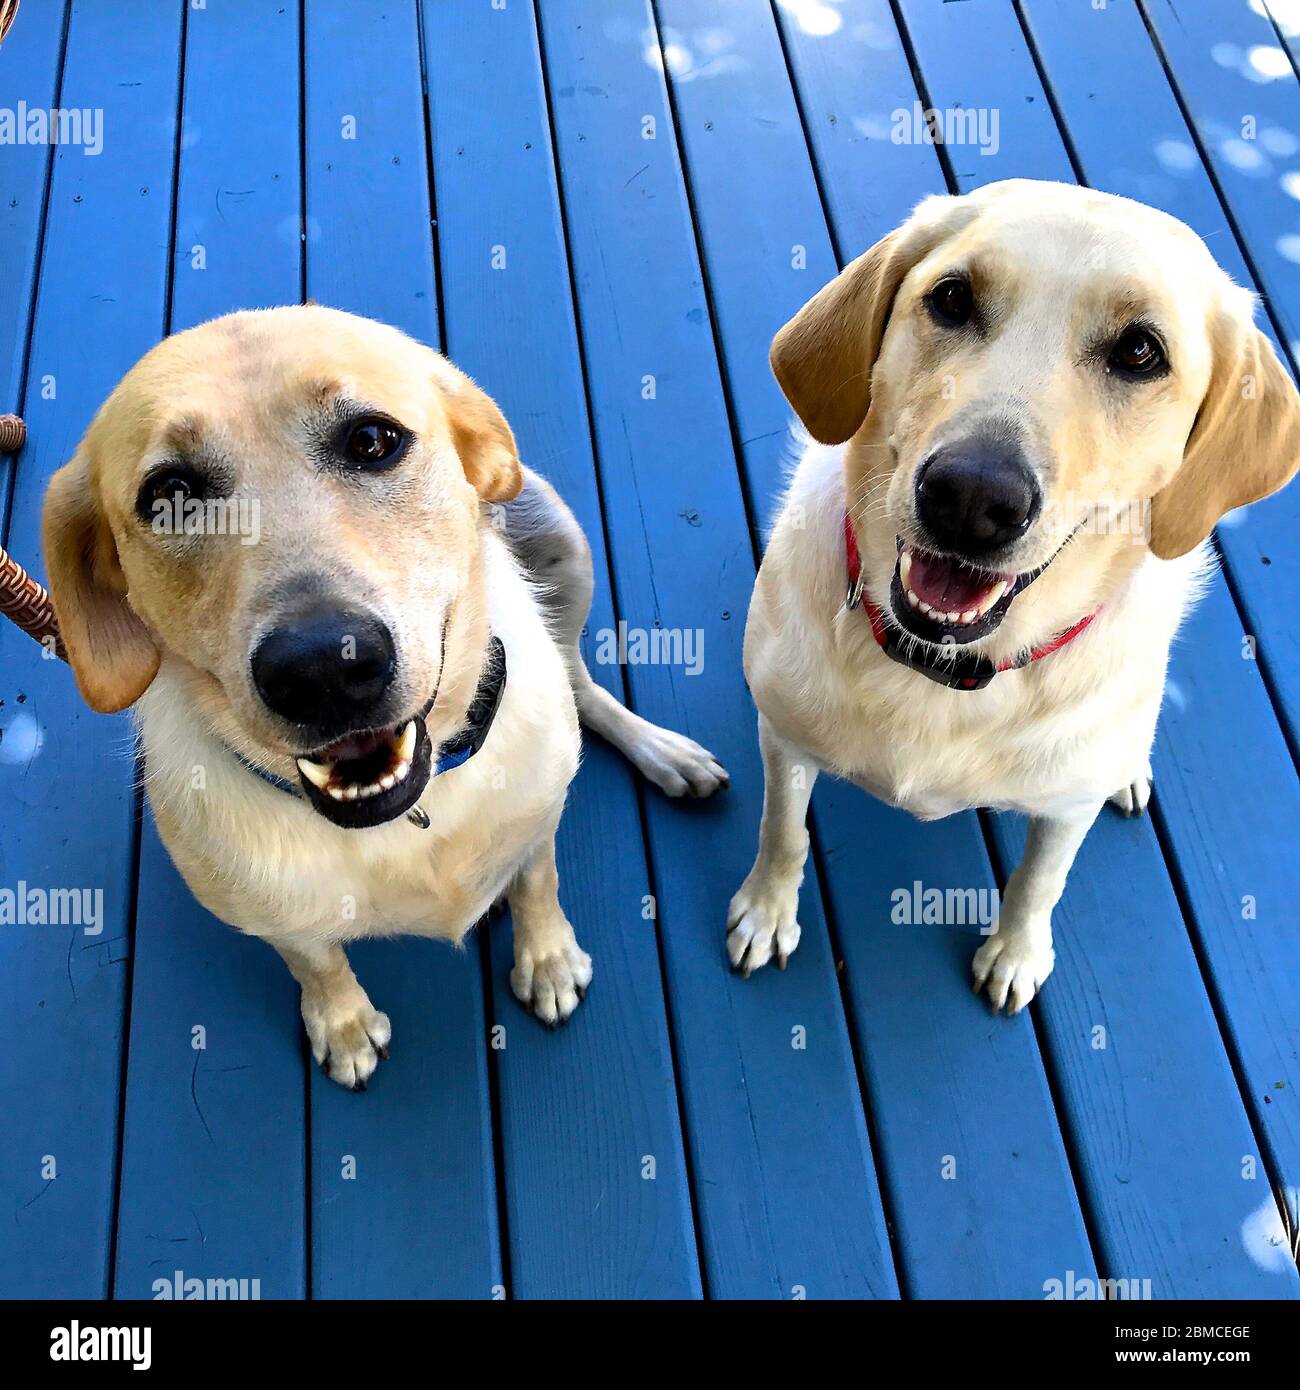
x: 958, y: 671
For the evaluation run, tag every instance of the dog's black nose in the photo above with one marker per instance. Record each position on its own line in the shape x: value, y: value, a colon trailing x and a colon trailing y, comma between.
x: 328, y: 669
x: 977, y: 496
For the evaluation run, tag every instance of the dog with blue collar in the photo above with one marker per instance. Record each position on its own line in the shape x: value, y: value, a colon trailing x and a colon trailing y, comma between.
x: 303, y: 548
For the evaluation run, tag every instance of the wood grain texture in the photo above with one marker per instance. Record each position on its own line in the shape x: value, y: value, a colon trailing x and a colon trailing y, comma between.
x: 67, y: 775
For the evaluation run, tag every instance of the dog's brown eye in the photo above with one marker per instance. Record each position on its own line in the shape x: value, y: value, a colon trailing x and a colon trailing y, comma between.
x: 164, y: 491
x: 951, y: 301
x: 1137, y: 353
x: 373, y: 443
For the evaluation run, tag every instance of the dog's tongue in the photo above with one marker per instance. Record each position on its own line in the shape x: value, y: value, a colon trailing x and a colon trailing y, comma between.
x: 356, y: 746
x: 945, y: 584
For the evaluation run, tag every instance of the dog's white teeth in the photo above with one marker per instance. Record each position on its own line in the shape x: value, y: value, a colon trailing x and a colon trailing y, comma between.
x: 991, y: 598
x: 321, y: 775
x: 912, y: 599
x: 969, y: 616
x: 905, y: 568
x: 318, y: 774
x: 924, y: 607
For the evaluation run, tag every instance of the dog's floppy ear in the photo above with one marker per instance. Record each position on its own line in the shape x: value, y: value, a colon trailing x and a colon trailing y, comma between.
x: 1244, y: 445
x: 482, y: 438
x: 823, y: 358
x: 111, y: 652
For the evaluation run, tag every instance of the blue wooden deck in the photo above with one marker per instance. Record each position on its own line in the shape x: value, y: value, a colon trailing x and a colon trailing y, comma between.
x: 667, y: 183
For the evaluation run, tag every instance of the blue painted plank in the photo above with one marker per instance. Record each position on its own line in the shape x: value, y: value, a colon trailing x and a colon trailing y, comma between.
x: 591, y: 1135
x: 974, y: 57
x: 1164, y: 169
x: 1286, y: 25
x: 851, y: 82
x: 213, y: 1166
x: 402, y: 1184
x: 981, y: 52
x: 238, y: 215
x: 1226, y: 797
x: 1161, y: 1140
x: 966, y: 1114
x: 212, y: 1148
x: 367, y: 198
x: 1217, y: 730
x: 1104, y: 962
x: 780, y: 1212
x: 762, y: 229
x: 30, y: 63
x: 414, y: 1214
x: 66, y: 775
x: 581, y: 1110
x: 967, y: 1087
x: 1240, y: 91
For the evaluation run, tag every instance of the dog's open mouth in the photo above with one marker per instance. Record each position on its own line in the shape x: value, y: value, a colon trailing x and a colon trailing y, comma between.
x: 369, y: 778
x: 942, y: 599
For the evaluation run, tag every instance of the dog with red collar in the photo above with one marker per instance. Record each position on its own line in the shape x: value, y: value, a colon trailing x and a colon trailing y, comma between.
x: 1025, y: 411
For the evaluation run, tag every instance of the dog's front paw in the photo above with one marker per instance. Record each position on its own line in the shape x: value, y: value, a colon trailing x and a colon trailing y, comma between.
x: 762, y: 924
x: 348, y: 1040
x: 677, y: 765
x: 1011, y: 967
x: 1133, y: 798
x: 553, y: 984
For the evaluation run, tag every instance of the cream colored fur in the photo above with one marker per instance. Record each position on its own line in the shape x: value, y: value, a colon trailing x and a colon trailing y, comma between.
x: 1059, y: 271
x: 455, y: 543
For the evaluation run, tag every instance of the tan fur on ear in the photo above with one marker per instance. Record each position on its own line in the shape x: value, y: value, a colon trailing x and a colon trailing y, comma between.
x: 823, y: 358
x: 112, y: 654
x: 1244, y: 445
x: 482, y: 438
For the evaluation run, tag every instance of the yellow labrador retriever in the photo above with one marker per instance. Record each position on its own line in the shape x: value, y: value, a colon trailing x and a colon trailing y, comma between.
x: 302, y: 545
x: 1030, y: 406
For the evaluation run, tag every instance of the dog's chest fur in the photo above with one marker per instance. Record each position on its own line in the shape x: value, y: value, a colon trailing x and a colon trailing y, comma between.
x: 263, y: 860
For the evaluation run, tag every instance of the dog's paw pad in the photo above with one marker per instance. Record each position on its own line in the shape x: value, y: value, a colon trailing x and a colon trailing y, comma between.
x: 762, y: 926
x: 348, y: 1045
x: 552, y: 985
x: 1010, y: 968
x: 677, y: 765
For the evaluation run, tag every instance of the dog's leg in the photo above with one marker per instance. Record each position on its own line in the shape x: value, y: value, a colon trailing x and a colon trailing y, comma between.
x: 676, y: 764
x: 349, y: 1036
x: 551, y: 971
x: 762, y: 921
x: 1013, y: 963
x: 546, y: 537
